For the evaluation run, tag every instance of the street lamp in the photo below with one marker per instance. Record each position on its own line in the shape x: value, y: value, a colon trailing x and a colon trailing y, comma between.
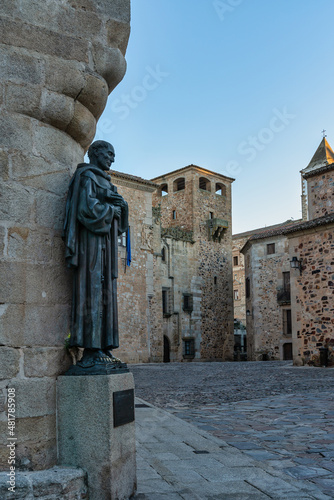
x: 296, y: 264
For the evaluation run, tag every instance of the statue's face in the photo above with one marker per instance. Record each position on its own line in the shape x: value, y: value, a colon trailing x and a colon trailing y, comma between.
x: 105, y: 157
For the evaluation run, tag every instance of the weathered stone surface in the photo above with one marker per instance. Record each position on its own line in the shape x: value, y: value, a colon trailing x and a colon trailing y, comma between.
x: 106, y: 452
x: 50, y: 210
x: 59, y: 482
x: 12, y: 279
x: 35, y: 397
x: 46, y: 64
x: 57, y: 109
x: 45, y: 361
x: 23, y: 98
x: 9, y: 362
x: 118, y: 34
x: 34, y: 325
x: 66, y: 77
x: 10, y: 130
x: 17, y: 203
x: 42, y: 40
x: 118, y: 9
x: 110, y: 64
x: 82, y: 126
x: 94, y: 95
x: 4, y: 165
x: 20, y: 66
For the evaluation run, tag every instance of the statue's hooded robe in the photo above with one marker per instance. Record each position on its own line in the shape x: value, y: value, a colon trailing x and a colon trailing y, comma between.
x: 91, y: 236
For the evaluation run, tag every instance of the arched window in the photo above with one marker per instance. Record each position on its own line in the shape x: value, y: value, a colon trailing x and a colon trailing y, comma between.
x: 164, y: 189
x: 204, y: 184
x: 179, y: 184
x: 163, y: 254
x: 221, y: 189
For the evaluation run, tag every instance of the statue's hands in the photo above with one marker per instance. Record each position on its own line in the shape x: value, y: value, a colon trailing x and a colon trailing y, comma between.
x: 117, y: 212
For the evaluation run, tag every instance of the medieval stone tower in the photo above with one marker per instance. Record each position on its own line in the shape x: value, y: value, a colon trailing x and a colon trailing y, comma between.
x: 196, y: 263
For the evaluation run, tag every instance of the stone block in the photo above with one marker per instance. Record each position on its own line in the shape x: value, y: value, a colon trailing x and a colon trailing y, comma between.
x: 9, y: 362
x: 105, y: 451
x: 57, y: 109
x: 118, y: 33
x: 11, y: 126
x: 57, y: 146
x: 64, y: 77
x: 118, y: 9
x: 36, y: 171
x: 94, y: 95
x: 9, y: 7
x: 110, y: 64
x: 45, y: 361
x: 44, y: 325
x: 35, y: 397
x: 11, y: 324
x: 55, y: 483
x: 83, y: 125
x: 33, y: 325
x: 43, y: 40
x: 49, y: 286
x: 19, y: 66
x: 23, y: 98
x: 12, y: 279
x: 28, y: 246
x: 76, y: 22
x: 50, y: 210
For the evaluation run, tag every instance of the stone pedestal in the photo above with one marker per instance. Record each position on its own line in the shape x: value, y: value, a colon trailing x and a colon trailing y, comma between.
x: 94, y: 432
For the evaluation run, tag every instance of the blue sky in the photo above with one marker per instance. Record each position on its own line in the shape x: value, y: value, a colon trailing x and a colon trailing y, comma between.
x: 241, y: 87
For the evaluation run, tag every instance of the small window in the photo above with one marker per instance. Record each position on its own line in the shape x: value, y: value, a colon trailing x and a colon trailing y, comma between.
x: 163, y: 254
x: 122, y: 240
x: 165, y: 301
x: 211, y: 215
x: 236, y: 294
x: 204, y: 184
x: 247, y: 288
x: 187, y: 302
x: 270, y: 248
x: 179, y: 184
x: 235, y: 261
x: 220, y: 189
x: 286, y: 282
x: 287, y: 324
x: 164, y: 189
x: 174, y: 214
x: 215, y: 280
x: 189, y: 348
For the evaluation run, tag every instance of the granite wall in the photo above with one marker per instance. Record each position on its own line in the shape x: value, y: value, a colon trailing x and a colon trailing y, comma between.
x: 59, y: 62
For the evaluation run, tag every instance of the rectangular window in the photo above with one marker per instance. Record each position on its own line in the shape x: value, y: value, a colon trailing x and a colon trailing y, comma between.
x: 270, y: 248
x: 165, y: 302
x: 174, y: 214
x: 286, y: 282
x: 211, y: 215
x: 235, y: 261
x: 247, y: 288
x: 187, y: 302
x: 287, y: 324
x: 189, y: 348
x: 236, y: 294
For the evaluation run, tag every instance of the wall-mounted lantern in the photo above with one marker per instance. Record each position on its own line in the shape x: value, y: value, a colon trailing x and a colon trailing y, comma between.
x: 296, y: 264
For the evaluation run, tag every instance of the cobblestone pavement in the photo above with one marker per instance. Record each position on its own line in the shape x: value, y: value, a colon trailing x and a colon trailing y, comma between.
x: 275, y: 413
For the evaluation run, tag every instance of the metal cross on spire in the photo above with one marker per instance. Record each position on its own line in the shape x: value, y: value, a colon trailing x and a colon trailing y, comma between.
x: 324, y: 133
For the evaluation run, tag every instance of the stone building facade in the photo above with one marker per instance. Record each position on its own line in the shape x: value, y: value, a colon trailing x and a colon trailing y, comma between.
x: 179, y: 285
x: 54, y: 85
x: 289, y: 275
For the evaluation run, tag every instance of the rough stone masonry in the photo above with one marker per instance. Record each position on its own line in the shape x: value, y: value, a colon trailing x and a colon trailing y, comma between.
x: 59, y: 61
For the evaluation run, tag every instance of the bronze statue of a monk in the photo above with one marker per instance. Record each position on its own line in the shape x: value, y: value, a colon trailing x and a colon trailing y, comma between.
x: 95, y: 216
